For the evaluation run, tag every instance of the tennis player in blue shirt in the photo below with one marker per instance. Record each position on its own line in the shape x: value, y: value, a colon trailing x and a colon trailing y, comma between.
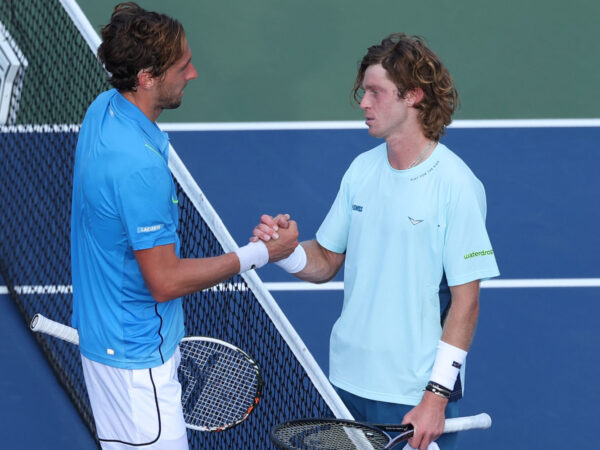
x: 128, y: 278
x: 408, y: 221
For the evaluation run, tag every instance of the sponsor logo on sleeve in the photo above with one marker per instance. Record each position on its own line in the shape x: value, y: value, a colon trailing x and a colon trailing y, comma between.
x: 149, y: 229
x: 479, y: 253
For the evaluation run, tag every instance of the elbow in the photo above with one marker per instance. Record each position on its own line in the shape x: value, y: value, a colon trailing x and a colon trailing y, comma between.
x: 162, y: 292
x: 326, y: 278
x: 161, y: 298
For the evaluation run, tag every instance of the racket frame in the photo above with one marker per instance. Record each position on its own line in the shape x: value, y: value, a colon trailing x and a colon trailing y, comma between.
x: 479, y: 421
x: 253, y: 365
x: 42, y: 324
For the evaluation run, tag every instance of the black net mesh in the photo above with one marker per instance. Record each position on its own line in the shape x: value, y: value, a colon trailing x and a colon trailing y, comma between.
x: 62, y: 78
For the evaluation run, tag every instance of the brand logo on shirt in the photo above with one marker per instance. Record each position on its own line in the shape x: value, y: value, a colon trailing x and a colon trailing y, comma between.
x: 149, y: 229
x: 174, y: 200
x: 481, y: 253
x: 414, y: 221
x: 357, y: 208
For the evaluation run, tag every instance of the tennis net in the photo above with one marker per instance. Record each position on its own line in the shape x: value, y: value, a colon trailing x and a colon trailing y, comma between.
x: 57, y: 75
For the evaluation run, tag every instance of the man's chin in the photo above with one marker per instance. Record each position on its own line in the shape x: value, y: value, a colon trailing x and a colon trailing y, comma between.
x: 172, y: 105
x: 374, y: 133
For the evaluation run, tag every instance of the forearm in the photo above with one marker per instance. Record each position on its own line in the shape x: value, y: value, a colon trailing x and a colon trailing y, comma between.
x: 461, y: 321
x: 167, y: 276
x: 456, y: 339
x: 180, y: 277
x: 196, y: 274
x: 321, y: 264
x: 459, y: 327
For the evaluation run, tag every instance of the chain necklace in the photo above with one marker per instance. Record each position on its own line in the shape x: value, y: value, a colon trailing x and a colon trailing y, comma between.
x: 422, y: 155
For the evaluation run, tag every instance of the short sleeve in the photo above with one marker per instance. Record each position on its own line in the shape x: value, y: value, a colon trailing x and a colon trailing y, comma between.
x: 333, y: 232
x: 468, y: 252
x: 145, y: 202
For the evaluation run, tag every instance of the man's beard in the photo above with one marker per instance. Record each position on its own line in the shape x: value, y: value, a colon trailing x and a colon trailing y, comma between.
x: 169, y: 101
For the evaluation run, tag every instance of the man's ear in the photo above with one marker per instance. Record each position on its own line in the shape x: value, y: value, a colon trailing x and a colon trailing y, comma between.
x: 414, y: 96
x: 145, y: 79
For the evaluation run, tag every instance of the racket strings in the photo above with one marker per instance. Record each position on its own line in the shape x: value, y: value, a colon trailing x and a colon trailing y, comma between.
x: 219, y: 384
x: 319, y: 435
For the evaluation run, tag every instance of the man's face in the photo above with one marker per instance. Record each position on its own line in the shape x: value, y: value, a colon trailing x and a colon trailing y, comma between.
x: 385, y: 111
x: 170, y: 88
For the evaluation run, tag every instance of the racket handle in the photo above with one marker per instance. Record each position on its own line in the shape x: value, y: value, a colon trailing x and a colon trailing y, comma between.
x: 42, y: 324
x: 480, y: 421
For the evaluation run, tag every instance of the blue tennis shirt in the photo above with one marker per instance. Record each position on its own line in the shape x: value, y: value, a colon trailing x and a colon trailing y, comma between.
x: 402, y: 230
x: 124, y: 199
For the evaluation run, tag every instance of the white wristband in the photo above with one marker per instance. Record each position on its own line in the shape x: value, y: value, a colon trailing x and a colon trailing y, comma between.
x: 252, y: 256
x: 448, y: 361
x: 295, y: 262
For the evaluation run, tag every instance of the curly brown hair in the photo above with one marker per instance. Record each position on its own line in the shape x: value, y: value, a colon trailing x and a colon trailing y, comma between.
x: 410, y: 64
x: 136, y: 39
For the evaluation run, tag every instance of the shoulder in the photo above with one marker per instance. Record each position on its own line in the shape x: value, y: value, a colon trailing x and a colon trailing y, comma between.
x: 368, y: 160
x: 371, y: 156
x: 458, y: 180
x: 455, y: 170
x: 128, y: 142
x: 100, y: 104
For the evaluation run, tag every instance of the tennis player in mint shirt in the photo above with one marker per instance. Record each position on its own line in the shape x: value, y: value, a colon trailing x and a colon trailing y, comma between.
x: 128, y: 278
x: 409, y: 224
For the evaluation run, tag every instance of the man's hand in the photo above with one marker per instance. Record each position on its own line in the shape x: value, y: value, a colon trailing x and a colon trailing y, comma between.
x: 268, y: 228
x: 427, y: 418
x: 283, y: 245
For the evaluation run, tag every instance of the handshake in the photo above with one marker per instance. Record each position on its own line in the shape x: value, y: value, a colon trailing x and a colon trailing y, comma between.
x: 274, y: 239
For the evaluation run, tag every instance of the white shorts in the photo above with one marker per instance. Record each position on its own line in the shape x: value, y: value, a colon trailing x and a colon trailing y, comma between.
x: 136, y: 408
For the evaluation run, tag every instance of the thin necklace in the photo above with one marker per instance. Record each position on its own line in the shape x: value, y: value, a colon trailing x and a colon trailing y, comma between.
x: 421, y: 156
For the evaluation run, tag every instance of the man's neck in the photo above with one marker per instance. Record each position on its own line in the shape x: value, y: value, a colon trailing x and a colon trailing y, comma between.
x: 408, y: 150
x: 144, y: 102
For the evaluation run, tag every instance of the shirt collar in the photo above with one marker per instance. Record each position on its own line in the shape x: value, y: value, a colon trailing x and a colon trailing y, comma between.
x: 158, y: 139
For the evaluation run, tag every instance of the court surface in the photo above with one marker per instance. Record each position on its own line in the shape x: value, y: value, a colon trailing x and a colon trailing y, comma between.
x: 35, y: 413
x: 534, y: 340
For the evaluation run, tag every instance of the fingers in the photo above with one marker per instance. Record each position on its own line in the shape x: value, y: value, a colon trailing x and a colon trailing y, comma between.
x: 422, y: 436
x: 269, y: 226
x: 285, y: 245
x: 282, y: 220
x: 265, y: 232
x: 432, y: 446
x: 268, y: 220
x: 415, y: 440
x: 423, y: 441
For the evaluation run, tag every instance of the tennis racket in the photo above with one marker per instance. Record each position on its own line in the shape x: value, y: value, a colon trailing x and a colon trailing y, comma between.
x: 220, y: 384
x: 338, y: 434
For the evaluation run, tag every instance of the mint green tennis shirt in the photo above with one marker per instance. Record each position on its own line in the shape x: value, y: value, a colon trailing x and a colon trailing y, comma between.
x: 401, y: 231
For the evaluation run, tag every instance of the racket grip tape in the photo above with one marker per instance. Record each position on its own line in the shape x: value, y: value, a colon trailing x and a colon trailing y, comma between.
x: 42, y: 324
x: 480, y: 421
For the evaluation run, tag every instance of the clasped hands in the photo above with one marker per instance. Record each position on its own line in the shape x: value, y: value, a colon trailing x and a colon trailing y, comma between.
x: 279, y: 233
